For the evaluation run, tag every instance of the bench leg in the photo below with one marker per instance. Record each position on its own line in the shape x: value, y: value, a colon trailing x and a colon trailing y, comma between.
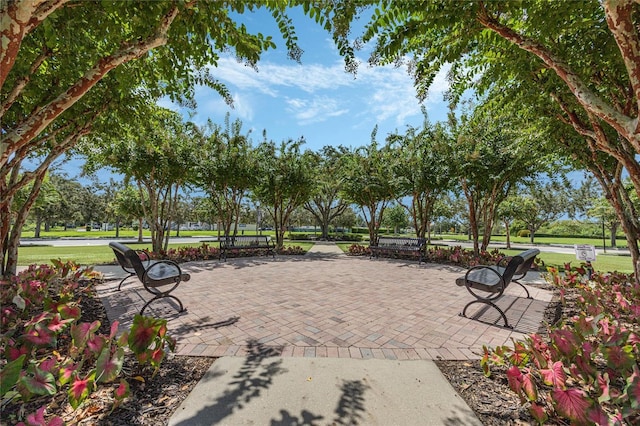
x: 162, y: 296
x: 522, y: 285
x: 486, y: 302
x: 124, y: 279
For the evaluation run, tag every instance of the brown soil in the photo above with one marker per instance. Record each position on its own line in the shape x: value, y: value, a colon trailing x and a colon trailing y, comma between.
x: 153, y: 399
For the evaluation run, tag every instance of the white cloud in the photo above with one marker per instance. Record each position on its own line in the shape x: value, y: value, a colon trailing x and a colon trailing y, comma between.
x: 315, y: 92
x: 314, y: 110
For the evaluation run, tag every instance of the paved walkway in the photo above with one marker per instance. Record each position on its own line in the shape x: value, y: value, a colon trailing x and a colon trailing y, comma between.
x: 327, y: 304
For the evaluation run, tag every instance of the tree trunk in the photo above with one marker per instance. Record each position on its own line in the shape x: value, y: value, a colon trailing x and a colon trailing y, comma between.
x: 613, y: 229
x: 13, y: 241
x: 140, y: 230
x: 117, y: 227
x: 506, y: 226
x: 36, y: 233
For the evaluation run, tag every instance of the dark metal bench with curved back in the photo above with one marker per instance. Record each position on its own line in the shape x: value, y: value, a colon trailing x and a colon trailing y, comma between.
x: 259, y: 243
x: 159, y: 277
x: 396, y: 245
x: 495, y: 280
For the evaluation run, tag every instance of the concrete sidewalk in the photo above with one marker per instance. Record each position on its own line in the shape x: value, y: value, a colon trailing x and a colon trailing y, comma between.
x: 260, y: 389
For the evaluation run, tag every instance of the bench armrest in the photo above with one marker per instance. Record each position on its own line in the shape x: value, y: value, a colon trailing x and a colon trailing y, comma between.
x: 163, y: 272
x: 144, y: 257
x: 484, y: 278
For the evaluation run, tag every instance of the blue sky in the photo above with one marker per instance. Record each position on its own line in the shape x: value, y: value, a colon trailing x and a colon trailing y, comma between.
x: 316, y: 99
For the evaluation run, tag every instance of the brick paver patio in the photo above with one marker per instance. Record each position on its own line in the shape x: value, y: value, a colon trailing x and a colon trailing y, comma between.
x: 327, y: 304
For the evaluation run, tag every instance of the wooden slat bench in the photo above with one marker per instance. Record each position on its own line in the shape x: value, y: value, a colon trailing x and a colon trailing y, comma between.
x: 246, y: 243
x: 159, y: 277
x: 494, y: 280
x: 396, y: 245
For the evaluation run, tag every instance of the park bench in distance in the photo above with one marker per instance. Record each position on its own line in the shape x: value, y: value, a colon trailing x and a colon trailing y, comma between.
x: 246, y: 243
x: 495, y: 280
x: 396, y: 245
x: 153, y: 274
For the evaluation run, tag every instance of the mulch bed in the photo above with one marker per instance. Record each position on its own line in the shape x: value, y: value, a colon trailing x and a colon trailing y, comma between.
x: 154, y: 399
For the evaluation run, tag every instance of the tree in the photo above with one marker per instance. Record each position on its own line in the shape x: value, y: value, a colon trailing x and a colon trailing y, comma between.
x: 285, y: 181
x: 54, y: 83
x: 226, y: 170
x: 326, y: 204
x: 129, y: 205
x: 541, y: 204
x: 396, y: 218
x: 579, y: 60
x: 490, y: 159
x: 158, y: 155
x: 367, y: 180
x: 507, y: 212
x: 423, y: 171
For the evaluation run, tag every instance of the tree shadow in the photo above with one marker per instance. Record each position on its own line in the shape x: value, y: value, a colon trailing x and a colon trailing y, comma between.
x: 348, y: 412
x: 306, y: 418
x: 203, y: 323
x: 248, y: 383
x: 351, y: 404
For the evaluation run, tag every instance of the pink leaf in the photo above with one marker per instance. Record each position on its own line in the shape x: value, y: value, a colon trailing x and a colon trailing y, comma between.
x: 40, y: 336
x: 529, y: 386
x: 122, y: 391
x: 633, y: 389
x: 82, y: 331
x: 48, y: 365
x: 619, y: 358
x: 40, y: 382
x: 565, y: 341
x: 571, y: 403
x: 538, y: 413
x: 603, y: 384
x: 599, y: 417
x: 66, y: 372
x: 96, y: 344
x: 514, y: 377
x: 554, y: 376
x: 79, y: 390
x: 69, y: 312
x: 114, y: 330
x: 37, y: 418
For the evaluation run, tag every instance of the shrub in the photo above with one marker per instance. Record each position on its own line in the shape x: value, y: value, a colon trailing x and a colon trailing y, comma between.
x: 46, y: 350
x: 292, y: 250
x: 359, y: 250
x: 586, y: 369
x: 524, y: 233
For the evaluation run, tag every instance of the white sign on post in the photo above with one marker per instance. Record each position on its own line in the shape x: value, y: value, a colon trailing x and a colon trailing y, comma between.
x: 585, y: 252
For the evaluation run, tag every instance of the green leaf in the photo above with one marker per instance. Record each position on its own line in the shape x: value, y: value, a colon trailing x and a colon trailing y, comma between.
x: 10, y: 374
x: 39, y: 382
x: 108, y: 367
x: 143, y: 332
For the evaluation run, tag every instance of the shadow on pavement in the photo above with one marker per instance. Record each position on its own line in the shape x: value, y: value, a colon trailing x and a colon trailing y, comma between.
x: 256, y: 375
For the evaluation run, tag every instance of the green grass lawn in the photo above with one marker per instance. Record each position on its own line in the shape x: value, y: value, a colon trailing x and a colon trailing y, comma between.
x: 540, y: 240
x: 95, y: 255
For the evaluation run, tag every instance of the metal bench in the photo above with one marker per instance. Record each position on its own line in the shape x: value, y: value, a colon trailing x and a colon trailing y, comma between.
x: 396, y: 245
x: 246, y: 243
x: 495, y: 280
x: 153, y: 274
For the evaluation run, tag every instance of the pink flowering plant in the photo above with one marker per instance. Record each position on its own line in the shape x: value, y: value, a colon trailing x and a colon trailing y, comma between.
x: 586, y: 369
x: 45, y: 349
